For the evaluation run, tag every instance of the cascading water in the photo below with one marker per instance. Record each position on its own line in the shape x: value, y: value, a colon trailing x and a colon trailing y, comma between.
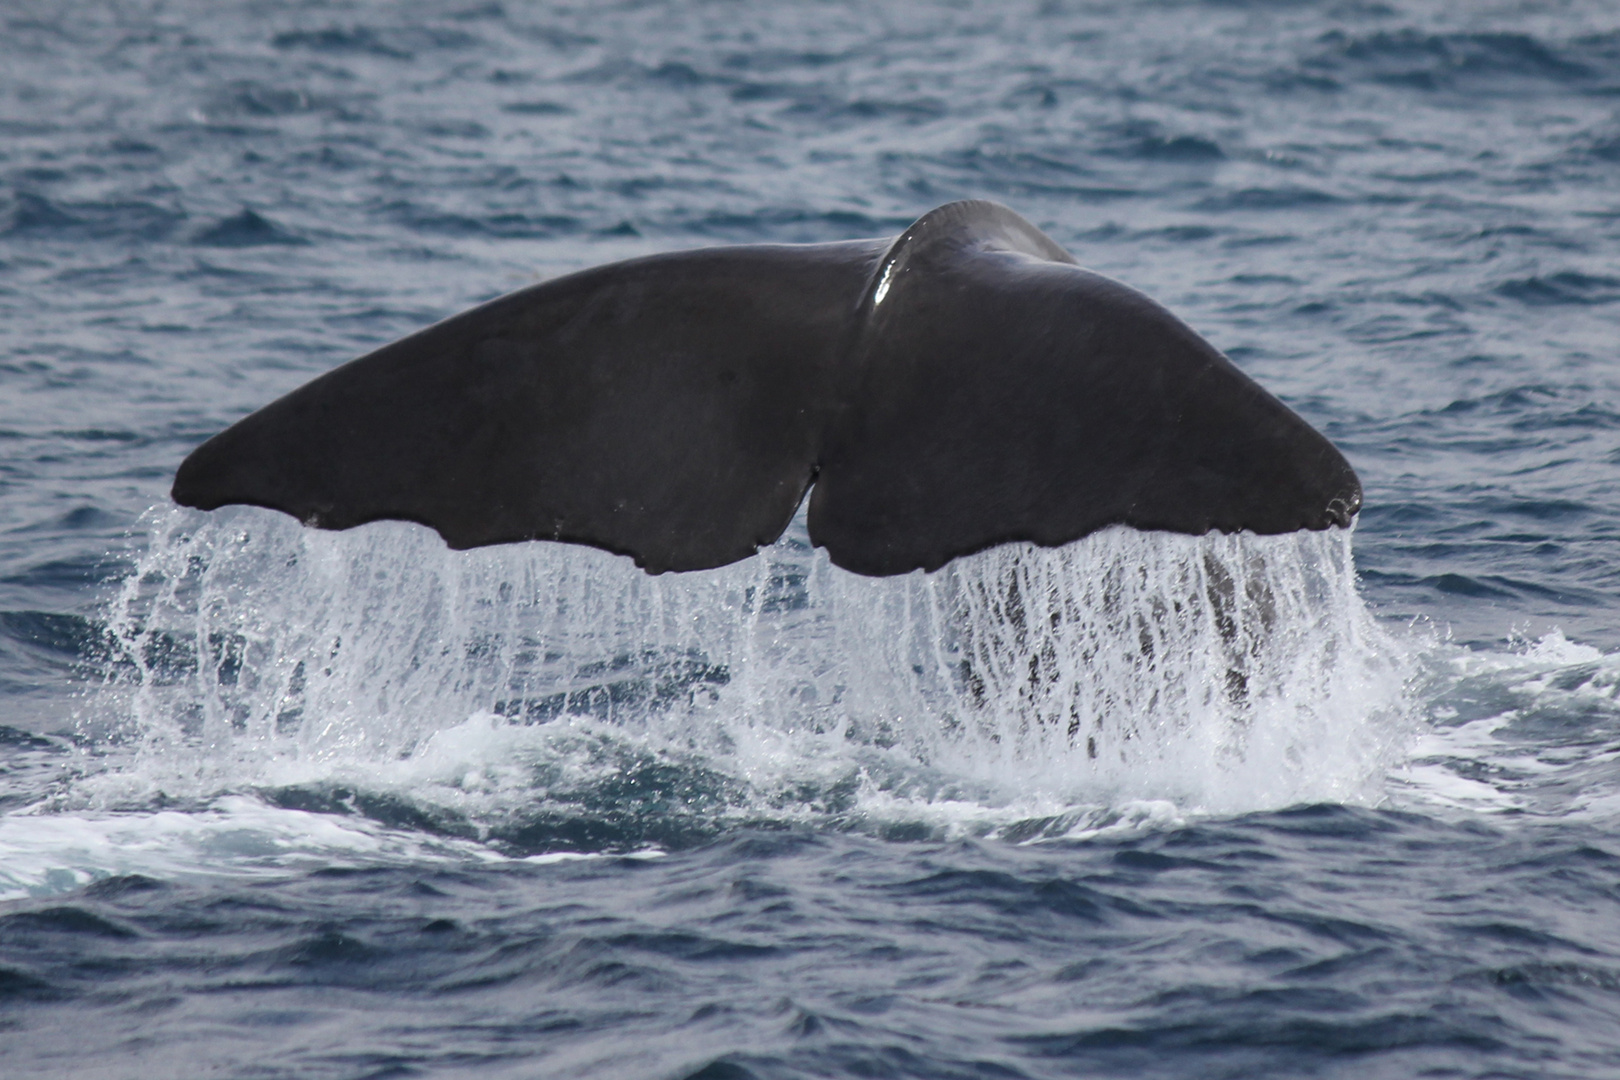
x: 548, y: 696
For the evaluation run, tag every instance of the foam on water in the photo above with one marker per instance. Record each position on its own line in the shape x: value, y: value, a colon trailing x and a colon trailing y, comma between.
x: 1531, y: 730
x: 47, y: 854
x: 552, y: 697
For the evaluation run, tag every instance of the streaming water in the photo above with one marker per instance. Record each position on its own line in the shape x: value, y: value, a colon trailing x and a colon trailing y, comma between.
x: 1029, y: 691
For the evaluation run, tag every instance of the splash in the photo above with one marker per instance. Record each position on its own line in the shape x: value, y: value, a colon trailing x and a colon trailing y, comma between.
x: 553, y: 696
x: 1500, y: 738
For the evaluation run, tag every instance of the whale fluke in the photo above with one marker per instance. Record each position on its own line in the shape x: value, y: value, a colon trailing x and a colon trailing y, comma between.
x: 962, y: 386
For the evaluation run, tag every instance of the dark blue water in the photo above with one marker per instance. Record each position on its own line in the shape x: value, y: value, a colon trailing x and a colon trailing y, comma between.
x: 276, y: 803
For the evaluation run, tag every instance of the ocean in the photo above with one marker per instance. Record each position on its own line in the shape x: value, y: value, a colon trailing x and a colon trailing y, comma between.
x: 283, y: 803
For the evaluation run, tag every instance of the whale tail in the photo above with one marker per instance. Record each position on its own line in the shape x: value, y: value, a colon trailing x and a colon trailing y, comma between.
x: 962, y: 386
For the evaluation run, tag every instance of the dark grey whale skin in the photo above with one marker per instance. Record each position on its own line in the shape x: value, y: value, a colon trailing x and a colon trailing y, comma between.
x: 963, y: 386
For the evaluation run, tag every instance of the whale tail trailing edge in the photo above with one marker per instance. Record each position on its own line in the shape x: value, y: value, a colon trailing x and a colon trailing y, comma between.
x: 669, y: 408
x: 963, y: 386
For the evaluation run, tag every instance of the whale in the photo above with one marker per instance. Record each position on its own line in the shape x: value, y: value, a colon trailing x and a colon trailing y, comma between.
x: 964, y: 385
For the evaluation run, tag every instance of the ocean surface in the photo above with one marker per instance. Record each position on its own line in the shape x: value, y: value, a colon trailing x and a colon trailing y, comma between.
x: 278, y: 803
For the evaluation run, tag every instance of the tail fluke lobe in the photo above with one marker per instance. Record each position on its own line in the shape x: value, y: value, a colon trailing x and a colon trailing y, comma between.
x: 669, y: 408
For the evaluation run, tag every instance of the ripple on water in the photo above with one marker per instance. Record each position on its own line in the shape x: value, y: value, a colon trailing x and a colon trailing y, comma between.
x: 415, y: 798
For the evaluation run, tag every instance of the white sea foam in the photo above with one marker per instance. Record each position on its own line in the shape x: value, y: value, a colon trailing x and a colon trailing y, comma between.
x: 43, y: 854
x: 1063, y: 686
x: 1499, y: 738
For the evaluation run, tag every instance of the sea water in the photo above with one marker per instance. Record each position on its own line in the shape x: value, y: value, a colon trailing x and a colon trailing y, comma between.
x: 277, y: 802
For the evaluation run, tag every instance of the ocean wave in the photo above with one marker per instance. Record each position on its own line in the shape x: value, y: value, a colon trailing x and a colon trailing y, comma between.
x: 1563, y: 287
x: 254, y: 99
x: 1481, y: 62
x: 1291, y: 197
x: 34, y: 217
x: 503, y: 225
x: 246, y: 229
x: 392, y: 43
x: 1150, y: 142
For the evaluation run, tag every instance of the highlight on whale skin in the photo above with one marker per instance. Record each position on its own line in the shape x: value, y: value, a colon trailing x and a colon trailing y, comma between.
x: 963, y: 386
